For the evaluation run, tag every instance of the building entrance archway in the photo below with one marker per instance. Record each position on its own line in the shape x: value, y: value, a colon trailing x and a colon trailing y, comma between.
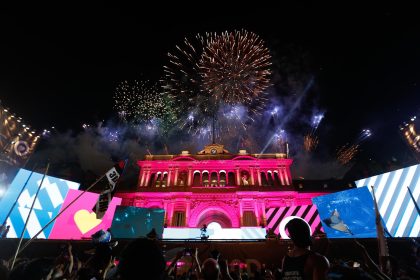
x: 214, y: 216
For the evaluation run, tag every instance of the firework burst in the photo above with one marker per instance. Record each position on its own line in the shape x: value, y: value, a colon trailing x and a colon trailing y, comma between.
x: 235, y: 67
x: 138, y: 101
x: 182, y: 81
x: 187, y: 81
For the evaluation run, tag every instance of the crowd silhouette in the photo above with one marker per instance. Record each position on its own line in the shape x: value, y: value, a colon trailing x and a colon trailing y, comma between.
x: 144, y: 258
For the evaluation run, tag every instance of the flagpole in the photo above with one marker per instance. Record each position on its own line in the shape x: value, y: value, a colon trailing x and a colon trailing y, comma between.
x: 414, y: 201
x: 20, y: 193
x: 29, y: 216
x: 61, y: 212
x: 382, y: 245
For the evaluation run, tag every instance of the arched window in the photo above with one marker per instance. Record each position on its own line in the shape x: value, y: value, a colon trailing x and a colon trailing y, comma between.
x: 276, y: 179
x: 231, y: 179
x: 213, y: 182
x: 264, y: 181
x: 164, y: 180
x: 222, y: 181
x: 196, y: 178
x: 270, y: 178
x: 151, y: 180
x: 245, y: 178
x: 206, y: 179
x: 182, y: 178
x: 158, y: 180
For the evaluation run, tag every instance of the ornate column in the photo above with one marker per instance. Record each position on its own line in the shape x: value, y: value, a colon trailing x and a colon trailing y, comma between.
x: 259, y: 176
x: 187, y: 212
x: 241, y: 213
x: 176, y: 176
x: 141, y: 177
x: 238, y: 177
x: 189, y: 177
x: 227, y: 178
x: 170, y: 212
x: 218, y: 179
x: 252, y: 176
x: 165, y: 207
x: 281, y: 176
x: 286, y: 179
x: 263, y: 216
x: 147, y: 178
x: 256, y: 212
x: 168, y: 180
x: 289, y: 175
x: 201, y: 178
x: 142, y: 181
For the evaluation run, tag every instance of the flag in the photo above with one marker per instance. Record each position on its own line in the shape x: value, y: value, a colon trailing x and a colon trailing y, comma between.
x: 113, y: 175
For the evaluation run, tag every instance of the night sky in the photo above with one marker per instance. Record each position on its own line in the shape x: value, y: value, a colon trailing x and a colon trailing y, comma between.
x: 60, y: 67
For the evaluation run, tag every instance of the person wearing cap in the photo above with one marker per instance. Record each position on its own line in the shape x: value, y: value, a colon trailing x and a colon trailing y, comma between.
x: 301, y: 262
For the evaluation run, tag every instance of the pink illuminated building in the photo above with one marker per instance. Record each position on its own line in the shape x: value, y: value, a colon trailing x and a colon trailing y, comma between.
x: 214, y: 185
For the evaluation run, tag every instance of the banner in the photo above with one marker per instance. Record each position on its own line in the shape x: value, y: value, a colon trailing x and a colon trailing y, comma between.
x: 78, y: 221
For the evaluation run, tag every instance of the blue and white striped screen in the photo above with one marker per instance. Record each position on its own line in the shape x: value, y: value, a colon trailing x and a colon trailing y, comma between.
x: 396, y: 206
x: 47, y: 205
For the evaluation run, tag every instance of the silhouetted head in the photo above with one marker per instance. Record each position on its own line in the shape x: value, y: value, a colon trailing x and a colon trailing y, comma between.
x: 211, y: 270
x: 299, y: 232
x: 142, y: 258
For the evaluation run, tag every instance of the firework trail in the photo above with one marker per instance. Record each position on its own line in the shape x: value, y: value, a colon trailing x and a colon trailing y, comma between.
x: 365, y: 134
x: 346, y: 153
x: 311, y: 140
x: 290, y: 113
x: 316, y: 120
x: 280, y: 140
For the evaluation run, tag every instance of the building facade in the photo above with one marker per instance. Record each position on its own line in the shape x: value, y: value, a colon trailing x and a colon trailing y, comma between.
x: 214, y: 185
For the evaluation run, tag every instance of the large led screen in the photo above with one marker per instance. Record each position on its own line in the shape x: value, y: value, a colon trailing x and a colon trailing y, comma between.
x: 78, y: 221
x: 133, y: 222
x: 47, y: 205
x: 396, y: 206
x: 279, y: 216
x: 347, y: 214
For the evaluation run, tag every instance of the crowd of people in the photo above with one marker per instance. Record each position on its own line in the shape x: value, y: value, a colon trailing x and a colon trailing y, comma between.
x: 144, y: 258
x: 4, y: 230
